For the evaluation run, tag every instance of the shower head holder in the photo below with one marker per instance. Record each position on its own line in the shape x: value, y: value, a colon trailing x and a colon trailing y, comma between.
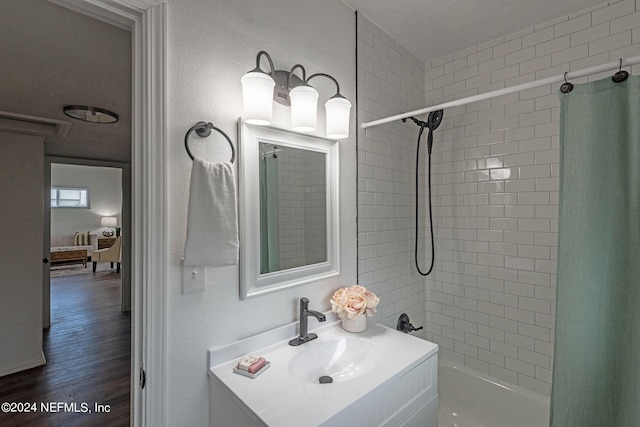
x: 432, y: 123
x: 416, y: 121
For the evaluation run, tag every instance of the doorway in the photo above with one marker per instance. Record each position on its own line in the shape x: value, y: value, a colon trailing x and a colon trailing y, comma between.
x: 88, y: 344
x: 108, y: 186
x: 147, y: 22
x: 85, y: 216
x: 89, y: 311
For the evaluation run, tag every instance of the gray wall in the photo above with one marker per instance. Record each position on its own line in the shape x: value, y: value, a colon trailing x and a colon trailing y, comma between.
x: 105, y: 192
x: 21, y: 187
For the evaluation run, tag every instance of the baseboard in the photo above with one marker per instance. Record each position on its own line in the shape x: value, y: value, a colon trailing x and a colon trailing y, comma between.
x: 26, y: 364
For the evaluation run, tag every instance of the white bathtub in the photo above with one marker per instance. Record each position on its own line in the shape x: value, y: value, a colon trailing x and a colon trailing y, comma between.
x: 469, y: 398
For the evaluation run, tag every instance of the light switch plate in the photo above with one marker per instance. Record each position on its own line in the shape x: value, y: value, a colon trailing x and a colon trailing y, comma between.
x: 193, y: 279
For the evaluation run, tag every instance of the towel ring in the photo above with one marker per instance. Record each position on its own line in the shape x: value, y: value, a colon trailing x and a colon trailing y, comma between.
x: 203, y: 130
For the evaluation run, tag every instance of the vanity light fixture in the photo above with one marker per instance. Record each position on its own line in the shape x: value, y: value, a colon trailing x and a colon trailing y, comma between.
x: 260, y: 89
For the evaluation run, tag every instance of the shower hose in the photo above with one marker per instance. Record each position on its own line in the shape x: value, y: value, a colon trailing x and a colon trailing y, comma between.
x: 433, y: 250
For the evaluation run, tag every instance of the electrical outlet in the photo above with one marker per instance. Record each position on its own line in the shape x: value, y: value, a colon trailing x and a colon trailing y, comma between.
x: 193, y: 279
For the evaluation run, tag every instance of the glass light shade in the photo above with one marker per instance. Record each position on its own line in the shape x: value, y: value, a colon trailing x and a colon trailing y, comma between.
x: 337, y: 112
x: 257, y: 97
x: 304, y: 108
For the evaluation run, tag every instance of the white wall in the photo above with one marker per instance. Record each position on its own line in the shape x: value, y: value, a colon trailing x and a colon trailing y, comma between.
x: 21, y: 186
x: 105, y: 193
x: 491, y: 300
x: 210, y: 46
x: 390, y: 81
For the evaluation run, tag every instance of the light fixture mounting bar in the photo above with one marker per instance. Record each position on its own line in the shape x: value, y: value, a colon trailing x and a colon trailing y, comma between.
x: 284, y: 82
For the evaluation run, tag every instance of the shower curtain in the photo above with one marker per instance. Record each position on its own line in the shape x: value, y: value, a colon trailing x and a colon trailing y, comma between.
x: 596, y: 372
x: 269, y: 216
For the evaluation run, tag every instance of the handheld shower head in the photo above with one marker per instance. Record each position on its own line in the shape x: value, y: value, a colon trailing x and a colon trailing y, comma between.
x: 432, y: 123
x: 434, y: 119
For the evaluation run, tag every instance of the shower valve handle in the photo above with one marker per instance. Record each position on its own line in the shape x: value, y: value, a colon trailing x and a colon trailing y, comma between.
x: 404, y: 325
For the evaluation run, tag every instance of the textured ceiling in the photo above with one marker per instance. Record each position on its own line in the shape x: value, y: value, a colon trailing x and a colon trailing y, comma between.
x: 432, y: 28
x: 51, y: 57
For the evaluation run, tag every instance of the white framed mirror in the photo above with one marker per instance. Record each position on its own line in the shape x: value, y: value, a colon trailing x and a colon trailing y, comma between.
x: 289, y: 213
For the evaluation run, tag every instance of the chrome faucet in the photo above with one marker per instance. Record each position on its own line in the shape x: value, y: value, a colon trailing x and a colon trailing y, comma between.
x: 304, y: 335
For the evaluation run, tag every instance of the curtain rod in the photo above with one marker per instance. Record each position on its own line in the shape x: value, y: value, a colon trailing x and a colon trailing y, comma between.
x: 517, y: 88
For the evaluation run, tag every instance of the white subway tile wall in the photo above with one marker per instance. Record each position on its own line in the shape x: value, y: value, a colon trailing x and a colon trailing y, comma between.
x: 291, y: 208
x: 490, y: 302
x: 315, y: 207
x: 390, y: 81
x: 491, y: 299
x: 302, y: 203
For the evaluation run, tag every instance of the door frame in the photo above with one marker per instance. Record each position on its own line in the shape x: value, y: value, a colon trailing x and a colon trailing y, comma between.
x: 147, y: 20
x: 125, y: 184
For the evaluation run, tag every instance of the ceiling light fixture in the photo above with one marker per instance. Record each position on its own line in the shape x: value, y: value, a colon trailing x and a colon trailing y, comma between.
x: 260, y: 89
x: 90, y: 114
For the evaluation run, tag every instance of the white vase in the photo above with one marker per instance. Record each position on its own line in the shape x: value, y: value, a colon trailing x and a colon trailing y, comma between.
x: 359, y: 324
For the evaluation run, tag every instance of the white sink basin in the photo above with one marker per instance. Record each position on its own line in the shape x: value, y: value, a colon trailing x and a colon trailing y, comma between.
x: 366, y: 369
x: 341, y: 359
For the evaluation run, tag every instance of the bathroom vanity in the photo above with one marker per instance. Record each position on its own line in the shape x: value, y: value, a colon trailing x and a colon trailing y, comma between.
x: 381, y: 377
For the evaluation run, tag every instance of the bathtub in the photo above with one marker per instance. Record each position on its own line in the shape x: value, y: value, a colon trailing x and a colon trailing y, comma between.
x: 469, y: 398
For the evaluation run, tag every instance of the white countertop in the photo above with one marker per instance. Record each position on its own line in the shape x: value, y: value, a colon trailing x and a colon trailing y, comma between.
x: 279, y: 399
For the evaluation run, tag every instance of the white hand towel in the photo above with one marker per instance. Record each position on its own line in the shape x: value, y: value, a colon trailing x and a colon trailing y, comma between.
x: 212, y: 222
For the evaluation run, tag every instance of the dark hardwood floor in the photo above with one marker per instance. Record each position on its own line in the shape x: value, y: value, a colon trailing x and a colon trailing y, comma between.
x: 88, y: 352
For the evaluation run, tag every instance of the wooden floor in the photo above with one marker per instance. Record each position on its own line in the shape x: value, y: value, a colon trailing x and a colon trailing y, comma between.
x: 88, y: 352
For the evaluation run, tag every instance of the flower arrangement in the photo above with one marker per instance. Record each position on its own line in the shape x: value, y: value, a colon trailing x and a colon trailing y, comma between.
x: 353, y: 302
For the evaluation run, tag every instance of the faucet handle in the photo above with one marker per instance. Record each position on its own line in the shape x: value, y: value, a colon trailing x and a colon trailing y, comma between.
x: 404, y: 325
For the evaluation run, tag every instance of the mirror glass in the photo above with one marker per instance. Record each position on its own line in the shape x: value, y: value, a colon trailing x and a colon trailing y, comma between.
x: 293, y: 207
x: 289, y: 231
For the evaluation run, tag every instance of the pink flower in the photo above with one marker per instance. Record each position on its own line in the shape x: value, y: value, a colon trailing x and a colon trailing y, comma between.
x: 353, y: 302
x: 358, y: 289
x: 339, y: 300
x: 372, y: 300
x: 355, y: 305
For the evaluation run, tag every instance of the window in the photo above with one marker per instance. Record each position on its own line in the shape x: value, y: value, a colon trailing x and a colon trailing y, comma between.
x: 70, y: 197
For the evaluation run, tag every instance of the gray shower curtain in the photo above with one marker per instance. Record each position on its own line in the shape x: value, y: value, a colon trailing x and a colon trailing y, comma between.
x: 269, y: 216
x: 596, y: 370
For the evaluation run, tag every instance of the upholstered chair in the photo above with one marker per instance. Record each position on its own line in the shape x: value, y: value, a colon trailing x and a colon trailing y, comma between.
x: 112, y: 254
